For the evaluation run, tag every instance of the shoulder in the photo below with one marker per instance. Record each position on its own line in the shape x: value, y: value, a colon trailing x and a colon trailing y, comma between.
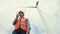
x: 26, y: 19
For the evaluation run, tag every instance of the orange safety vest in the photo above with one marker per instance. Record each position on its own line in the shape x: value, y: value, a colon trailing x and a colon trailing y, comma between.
x: 21, y: 23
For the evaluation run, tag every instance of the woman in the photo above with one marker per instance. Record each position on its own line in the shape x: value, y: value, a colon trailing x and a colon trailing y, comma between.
x: 21, y: 24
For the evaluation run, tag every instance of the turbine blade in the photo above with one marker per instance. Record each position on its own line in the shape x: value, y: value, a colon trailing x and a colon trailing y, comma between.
x: 37, y: 3
x: 44, y: 22
x: 28, y: 7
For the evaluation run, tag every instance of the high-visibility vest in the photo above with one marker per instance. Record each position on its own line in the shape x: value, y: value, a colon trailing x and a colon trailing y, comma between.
x: 21, y: 23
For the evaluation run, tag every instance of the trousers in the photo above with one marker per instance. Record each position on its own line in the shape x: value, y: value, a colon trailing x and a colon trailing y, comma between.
x: 19, y: 31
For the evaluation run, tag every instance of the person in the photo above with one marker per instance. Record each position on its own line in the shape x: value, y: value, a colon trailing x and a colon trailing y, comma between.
x: 22, y: 25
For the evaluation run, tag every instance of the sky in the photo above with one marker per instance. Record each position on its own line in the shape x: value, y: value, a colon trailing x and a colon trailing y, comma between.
x: 43, y: 20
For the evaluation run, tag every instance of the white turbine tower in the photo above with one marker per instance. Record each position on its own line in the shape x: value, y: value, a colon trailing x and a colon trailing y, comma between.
x: 42, y: 18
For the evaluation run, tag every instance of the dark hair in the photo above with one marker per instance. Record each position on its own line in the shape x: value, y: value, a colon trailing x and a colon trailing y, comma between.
x: 21, y: 12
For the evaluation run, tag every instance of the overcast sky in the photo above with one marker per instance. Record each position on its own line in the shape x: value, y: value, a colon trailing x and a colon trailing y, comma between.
x: 46, y: 22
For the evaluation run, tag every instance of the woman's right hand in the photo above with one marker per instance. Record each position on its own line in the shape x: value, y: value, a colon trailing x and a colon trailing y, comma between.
x: 17, y: 15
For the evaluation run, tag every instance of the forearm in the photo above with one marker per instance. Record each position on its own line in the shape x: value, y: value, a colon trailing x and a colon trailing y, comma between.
x: 14, y: 22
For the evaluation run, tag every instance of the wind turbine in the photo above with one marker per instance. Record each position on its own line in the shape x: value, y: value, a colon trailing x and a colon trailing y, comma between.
x: 40, y: 14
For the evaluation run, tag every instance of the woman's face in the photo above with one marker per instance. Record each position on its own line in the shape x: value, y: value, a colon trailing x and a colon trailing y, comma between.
x: 21, y: 14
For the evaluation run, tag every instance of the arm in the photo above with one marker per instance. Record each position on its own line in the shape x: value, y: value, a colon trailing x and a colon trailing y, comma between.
x: 29, y: 27
x: 14, y: 22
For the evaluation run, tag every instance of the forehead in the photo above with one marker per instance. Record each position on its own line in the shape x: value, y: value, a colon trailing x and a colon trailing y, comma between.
x: 20, y: 13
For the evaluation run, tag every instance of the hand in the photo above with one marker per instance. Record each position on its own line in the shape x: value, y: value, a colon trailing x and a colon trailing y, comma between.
x: 17, y: 15
x: 28, y: 32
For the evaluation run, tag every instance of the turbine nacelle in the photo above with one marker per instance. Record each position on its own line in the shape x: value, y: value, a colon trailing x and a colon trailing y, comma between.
x: 31, y: 6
